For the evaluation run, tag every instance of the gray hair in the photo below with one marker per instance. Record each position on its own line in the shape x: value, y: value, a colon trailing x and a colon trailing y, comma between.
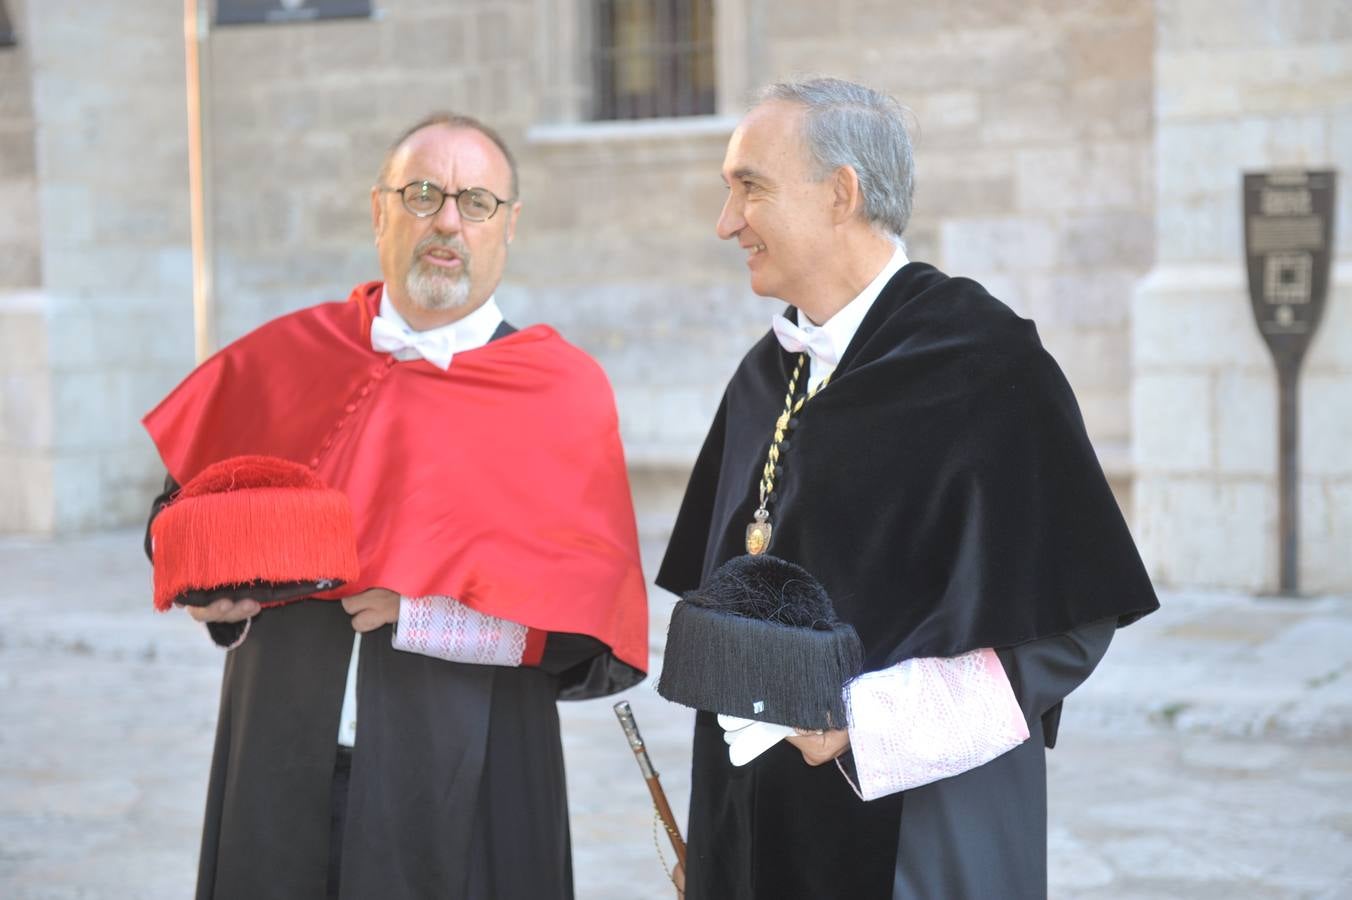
x: 848, y: 124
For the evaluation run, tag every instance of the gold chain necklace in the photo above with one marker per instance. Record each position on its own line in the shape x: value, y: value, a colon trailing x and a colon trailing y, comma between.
x: 758, y: 532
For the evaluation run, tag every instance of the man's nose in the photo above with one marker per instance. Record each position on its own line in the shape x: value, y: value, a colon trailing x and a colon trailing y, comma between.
x: 730, y: 220
x: 448, y: 219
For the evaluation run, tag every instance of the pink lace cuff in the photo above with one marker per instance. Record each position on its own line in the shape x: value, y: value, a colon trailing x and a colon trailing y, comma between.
x: 447, y: 629
x: 930, y: 718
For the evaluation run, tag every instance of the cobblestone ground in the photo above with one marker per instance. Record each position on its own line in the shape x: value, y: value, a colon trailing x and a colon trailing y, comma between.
x: 1208, y: 758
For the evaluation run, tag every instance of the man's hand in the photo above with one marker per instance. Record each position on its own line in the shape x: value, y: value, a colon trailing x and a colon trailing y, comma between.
x: 820, y: 747
x: 372, y: 609
x: 225, y: 610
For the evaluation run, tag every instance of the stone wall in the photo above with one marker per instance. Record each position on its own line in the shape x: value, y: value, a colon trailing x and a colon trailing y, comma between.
x: 25, y: 386
x: 108, y: 321
x: 1034, y: 158
x: 1063, y: 150
x: 1235, y: 93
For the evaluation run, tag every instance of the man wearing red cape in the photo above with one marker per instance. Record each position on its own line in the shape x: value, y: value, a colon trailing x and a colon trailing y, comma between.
x: 499, y: 566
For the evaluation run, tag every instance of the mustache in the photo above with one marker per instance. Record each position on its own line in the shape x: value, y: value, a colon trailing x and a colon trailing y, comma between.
x: 442, y: 242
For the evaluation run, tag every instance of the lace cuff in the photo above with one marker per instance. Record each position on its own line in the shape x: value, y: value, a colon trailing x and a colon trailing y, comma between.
x: 930, y: 718
x: 447, y: 629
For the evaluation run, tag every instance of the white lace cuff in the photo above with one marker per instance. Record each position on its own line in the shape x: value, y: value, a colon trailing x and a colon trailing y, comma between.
x: 930, y: 718
x: 447, y: 629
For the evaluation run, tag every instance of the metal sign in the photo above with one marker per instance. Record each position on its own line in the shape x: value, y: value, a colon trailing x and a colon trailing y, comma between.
x: 248, y: 12
x: 1288, y: 243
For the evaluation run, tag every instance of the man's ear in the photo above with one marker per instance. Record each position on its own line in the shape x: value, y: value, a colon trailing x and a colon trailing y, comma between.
x: 377, y: 213
x: 846, y: 197
x: 512, y: 213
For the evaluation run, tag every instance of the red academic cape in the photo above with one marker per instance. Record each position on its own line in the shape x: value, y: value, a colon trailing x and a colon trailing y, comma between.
x: 500, y: 482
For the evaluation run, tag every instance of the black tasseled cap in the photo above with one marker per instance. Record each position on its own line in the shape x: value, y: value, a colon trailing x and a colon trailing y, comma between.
x: 760, y: 640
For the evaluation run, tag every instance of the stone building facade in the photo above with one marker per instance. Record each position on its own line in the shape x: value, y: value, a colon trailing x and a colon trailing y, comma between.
x: 1081, y: 159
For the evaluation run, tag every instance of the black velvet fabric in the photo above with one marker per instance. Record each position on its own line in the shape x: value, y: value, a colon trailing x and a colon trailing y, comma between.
x: 943, y: 490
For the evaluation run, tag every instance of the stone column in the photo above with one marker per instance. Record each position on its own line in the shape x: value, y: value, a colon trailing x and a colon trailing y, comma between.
x: 97, y: 313
x: 1239, y: 91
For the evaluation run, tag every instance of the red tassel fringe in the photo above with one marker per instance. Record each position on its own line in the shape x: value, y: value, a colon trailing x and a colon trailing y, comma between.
x: 235, y: 524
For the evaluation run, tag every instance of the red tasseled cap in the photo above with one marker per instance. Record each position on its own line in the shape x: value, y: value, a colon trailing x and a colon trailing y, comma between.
x: 251, y: 520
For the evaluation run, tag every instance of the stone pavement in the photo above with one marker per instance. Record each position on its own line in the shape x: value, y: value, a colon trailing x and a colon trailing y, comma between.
x: 1209, y: 756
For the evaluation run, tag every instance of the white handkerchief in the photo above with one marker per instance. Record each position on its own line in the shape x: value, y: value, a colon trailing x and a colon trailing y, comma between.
x: 748, y: 739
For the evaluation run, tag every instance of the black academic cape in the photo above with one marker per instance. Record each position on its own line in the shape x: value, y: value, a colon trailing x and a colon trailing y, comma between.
x: 943, y: 489
x: 456, y: 788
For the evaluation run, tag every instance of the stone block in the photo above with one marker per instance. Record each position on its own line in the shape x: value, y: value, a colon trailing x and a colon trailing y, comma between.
x: 1092, y: 358
x: 18, y: 198
x: 1114, y: 108
x: 20, y: 265
x: 1331, y: 349
x: 967, y: 197
x: 801, y: 23
x: 16, y: 101
x: 1113, y: 240
x: 23, y: 333
x: 1246, y: 423
x: 18, y: 156
x: 874, y: 17
x: 77, y: 492
x: 243, y: 58
x: 944, y: 112
x: 1027, y: 113
x: 1325, y: 535
x: 1326, y: 425
x: 1276, y: 81
x: 1089, y: 176
x: 1214, y: 25
x: 26, y: 497
x: 66, y: 211
x: 1172, y: 425
x: 1110, y: 50
x: 983, y: 163
x: 1200, y: 532
x: 1007, y: 287
x: 130, y: 476
x: 975, y: 246
x: 91, y: 410
x: 1101, y: 300
x: 1107, y: 417
x: 1203, y: 229
x: 26, y: 412
x: 1194, y: 317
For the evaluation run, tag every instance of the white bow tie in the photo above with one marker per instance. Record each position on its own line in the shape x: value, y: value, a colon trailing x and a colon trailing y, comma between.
x: 433, y: 346
x: 795, y: 340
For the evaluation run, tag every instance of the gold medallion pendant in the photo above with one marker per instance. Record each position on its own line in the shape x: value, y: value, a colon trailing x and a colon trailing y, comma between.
x: 758, y: 533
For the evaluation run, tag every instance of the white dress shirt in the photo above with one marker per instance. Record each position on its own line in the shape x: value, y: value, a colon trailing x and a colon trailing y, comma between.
x: 841, y: 327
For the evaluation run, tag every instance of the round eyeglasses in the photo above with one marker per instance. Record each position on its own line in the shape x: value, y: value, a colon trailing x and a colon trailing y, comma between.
x: 423, y: 199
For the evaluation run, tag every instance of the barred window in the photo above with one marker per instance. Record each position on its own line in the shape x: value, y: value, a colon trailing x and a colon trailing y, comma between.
x: 653, y: 58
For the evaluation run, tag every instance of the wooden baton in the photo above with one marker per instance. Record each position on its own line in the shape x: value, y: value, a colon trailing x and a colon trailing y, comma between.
x: 645, y: 765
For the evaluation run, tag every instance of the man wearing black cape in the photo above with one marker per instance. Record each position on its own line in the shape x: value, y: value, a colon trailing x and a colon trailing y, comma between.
x: 936, y: 478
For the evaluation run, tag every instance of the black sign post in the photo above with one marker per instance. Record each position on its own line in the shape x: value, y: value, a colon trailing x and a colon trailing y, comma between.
x: 1288, y: 241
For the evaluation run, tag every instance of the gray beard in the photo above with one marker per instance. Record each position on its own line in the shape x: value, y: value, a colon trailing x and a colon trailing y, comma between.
x: 431, y: 290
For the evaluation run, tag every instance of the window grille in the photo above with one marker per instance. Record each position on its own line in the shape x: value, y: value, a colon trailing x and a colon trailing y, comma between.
x: 653, y: 58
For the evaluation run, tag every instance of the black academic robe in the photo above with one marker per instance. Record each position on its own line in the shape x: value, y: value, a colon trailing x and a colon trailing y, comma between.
x: 456, y: 787
x: 944, y: 491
